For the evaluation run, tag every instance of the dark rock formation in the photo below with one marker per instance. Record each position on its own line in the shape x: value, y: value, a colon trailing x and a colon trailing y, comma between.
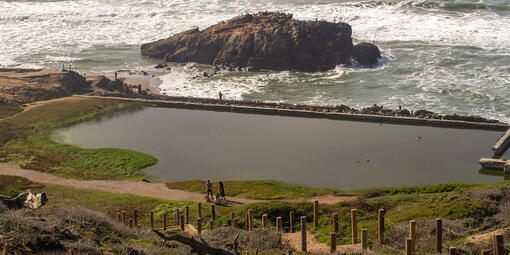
x: 24, y: 200
x: 272, y: 41
x: 366, y: 53
x: 20, y: 86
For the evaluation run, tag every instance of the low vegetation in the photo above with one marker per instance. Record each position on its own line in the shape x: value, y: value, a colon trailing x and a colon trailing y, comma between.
x: 8, y: 110
x: 268, y: 190
x: 25, y: 138
x: 466, y: 210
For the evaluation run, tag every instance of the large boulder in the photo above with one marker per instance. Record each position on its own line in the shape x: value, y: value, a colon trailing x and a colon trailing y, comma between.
x: 266, y: 40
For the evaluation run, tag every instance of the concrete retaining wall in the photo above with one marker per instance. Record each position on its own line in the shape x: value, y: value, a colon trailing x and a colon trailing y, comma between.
x: 272, y: 109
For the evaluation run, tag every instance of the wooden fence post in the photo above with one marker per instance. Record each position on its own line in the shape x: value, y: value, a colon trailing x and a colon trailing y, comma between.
x: 303, y: 233
x: 152, y: 220
x: 124, y: 217
x: 118, y: 217
x: 364, y: 240
x: 439, y: 235
x: 332, y: 242
x: 412, y: 234
x: 291, y: 222
x: 247, y: 220
x: 199, y: 208
x: 182, y: 222
x: 199, y: 225
x: 135, y: 217
x: 232, y: 216
x: 264, y: 221
x: 213, y: 212
x: 499, y: 248
x: 354, y: 226
x: 316, y: 214
x: 453, y: 251
x: 234, y: 222
x: 164, y: 221
x: 177, y: 217
x: 130, y: 223
x: 186, y: 213
x: 409, y: 246
x: 250, y: 213
x: 211, y: 225
x: 335, y: 222
x: 279, y: 223
x: 380, y: 229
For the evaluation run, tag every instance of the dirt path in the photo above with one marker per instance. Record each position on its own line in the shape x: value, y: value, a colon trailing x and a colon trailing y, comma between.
x: 313, y: 246
x: 156, y: 190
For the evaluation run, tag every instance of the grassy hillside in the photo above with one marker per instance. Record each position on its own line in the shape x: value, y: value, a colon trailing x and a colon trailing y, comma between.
x: 254, y: 189
x: 24, y: 138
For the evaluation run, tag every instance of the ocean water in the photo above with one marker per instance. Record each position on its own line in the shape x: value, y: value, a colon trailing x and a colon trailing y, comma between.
x: 444, y: 56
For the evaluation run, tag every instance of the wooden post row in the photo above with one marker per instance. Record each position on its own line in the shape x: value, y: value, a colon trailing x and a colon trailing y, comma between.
x: 152, y: 220
x: 303, y: 233
x: 124, y: 217
x: 364, y: 235
x: 380, y: 229
x: 354, y: 226
x: 186, y: 213
x: 499, y: 248
x: 439, y: 235
x: 412, y: 234
x: 316, y: 214
x: 252, y: 225
x: 164, y: 221
x: 332, y: 242
x: 409, y: 246
x: 279, y: 224
x: 182, y: 222
x: 335, y: 222
x: 291, y: 222
x: 264, y: 220
x: 135, y: 217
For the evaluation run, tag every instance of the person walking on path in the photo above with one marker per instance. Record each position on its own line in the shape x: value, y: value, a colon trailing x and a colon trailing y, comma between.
x: 222, y: 191
x: 220, y: 95
x: 209, y: 189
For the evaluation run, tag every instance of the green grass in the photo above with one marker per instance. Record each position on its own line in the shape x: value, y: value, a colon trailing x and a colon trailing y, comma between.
x: 269, y: 190
x: 8, y: 110
x: 25, y: 139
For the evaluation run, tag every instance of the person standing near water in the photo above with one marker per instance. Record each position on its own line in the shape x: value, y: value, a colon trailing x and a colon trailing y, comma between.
x: 209, y: 189
x: 222, y: 191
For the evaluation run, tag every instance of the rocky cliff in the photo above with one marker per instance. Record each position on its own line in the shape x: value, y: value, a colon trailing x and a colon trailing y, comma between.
x: 273, y: 41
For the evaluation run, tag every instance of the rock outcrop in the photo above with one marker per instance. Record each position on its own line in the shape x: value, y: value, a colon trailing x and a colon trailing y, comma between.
x: 273, y: 41
x: 20, y: 86
x: 24, y: 200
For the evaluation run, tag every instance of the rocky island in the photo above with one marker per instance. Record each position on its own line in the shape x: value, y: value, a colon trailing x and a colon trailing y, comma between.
x: 269, y: 41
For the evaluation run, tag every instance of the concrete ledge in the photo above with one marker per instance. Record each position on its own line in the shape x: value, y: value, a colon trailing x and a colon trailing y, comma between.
x: 502, y: 145
x: 496, y: 164
x: 272, y: 109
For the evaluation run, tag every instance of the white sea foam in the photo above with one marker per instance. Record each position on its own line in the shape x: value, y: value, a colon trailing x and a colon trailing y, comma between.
x: 418, y: 42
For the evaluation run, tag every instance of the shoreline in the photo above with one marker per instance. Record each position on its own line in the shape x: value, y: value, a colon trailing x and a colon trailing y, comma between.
x: 325, y: 112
